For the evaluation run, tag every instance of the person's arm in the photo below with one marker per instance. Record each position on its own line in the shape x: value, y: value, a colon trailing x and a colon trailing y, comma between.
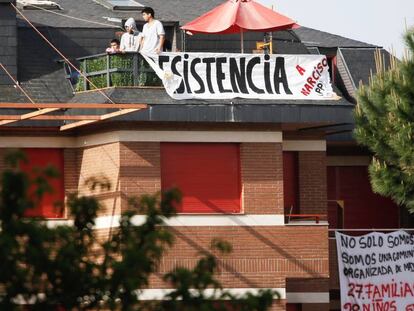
x: 137, y: 42
x: 161, y: 34
x: 122, y: 45
x: 141, y: 42
x: 159, y: 49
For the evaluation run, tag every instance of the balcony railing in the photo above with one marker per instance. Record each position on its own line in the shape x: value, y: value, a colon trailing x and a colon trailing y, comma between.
x: 296, y: 218
x: 112, y: 70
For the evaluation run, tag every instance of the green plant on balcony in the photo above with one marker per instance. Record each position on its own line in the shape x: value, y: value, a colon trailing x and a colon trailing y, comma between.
x: 96, y: 69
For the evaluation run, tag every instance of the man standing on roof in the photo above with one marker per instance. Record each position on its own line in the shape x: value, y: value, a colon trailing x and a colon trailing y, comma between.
x: 131, y: 39
x: 153, y: 34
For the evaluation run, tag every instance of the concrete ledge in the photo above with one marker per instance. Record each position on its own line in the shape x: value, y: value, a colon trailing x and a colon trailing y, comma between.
x: 304, y: 145
x: 140, y: 136
x: 105, y: 222
x: 308, y: 297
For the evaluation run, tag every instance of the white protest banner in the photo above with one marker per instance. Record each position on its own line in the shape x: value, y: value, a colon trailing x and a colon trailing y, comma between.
x: 376, y: 271
x: 255, y: 76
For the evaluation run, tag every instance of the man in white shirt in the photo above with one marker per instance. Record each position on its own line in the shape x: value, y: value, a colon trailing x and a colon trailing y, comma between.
x: 153, y: 34
x: 130, y: 40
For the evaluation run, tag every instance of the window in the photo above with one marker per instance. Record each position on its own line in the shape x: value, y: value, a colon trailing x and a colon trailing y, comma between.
x: 207, y: 174
x: 41, y: 158
x: 38, y: 5
x: 121, y: 5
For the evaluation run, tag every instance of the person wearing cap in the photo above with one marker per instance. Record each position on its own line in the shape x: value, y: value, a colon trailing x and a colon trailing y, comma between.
x: 130, y: 41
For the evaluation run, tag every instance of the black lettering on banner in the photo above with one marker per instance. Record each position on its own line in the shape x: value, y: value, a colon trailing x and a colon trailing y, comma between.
x: 358, y: 259
x: 174, y: 70
x: 400, y: 239
x: 196, y: 76
x: 250, y: 66
x: 319, y: 88
x: 371, y: 241
x: 220, y: 74
x: 280, y: 76
x: 409, y: 266
x: 163, y: 59
x: 348, y: 242
x: 268, y: 84
x: 208, y: 61
x: 241, y: 75
x: 185, y: 69
x: 238, y: 76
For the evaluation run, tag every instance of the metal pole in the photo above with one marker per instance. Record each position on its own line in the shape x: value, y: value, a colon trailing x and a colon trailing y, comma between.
x: 135, y: 68
x: 108, y: 67
x: 183, y: 43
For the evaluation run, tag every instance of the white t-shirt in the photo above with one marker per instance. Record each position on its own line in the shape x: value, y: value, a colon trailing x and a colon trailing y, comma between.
x: 130, y: 42
x: 151, y: 33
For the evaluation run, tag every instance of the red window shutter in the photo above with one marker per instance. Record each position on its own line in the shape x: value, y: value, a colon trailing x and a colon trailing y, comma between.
x: 291, y: 181
x: 42, y: 158
x: 207, y: 174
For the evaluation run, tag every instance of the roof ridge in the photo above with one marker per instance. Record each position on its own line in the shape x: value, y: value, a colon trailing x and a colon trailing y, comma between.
x: 336, y: 36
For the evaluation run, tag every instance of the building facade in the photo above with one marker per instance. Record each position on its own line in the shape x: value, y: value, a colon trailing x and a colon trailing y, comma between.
x: 270, y: 177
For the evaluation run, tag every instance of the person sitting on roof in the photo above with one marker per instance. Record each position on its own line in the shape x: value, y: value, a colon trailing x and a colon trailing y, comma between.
x: 131, y: 39
x: 153, y: 34
x: 114, y: 47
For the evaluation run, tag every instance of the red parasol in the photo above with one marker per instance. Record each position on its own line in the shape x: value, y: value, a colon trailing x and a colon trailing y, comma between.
x: 236, y: 16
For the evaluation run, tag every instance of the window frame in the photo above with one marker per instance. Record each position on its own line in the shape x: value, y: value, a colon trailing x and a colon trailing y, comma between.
x: 108, y: 4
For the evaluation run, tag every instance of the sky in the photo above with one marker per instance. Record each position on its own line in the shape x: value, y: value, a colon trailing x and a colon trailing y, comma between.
x: 380, y: 22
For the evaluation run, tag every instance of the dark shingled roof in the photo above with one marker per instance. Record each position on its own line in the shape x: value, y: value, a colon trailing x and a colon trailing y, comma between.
x: 38, y: 72
x: 317, y: 38
x: 184, y: 11
x: 10, y: 93
x: 361, y: 63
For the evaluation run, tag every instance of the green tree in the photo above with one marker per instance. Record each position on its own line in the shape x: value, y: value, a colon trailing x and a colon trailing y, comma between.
x: 384, y: 119
x: 68, y: 268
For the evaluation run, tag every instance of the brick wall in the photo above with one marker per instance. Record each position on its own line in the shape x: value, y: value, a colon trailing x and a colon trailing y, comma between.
x: 312, y: 182
x: 262, y: 178
x: 8, y: 39
x: 333, y: 265
x: 140, y: 171
x: 262, y: 257
x: 71, y: 170
x: 100, y: 162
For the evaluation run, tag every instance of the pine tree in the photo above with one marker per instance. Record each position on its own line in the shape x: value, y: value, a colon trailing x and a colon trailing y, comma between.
x: 70, y: 268
x: 384, y: 118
